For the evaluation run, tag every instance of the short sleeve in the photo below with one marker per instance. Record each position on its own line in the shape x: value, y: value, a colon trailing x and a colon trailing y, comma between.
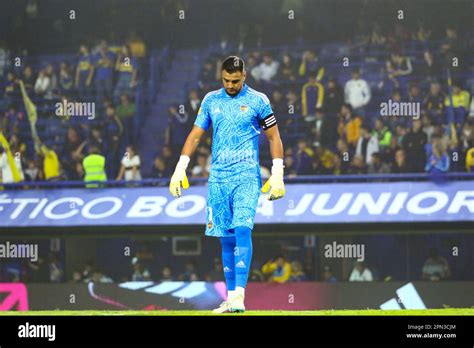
x: 265, y: 115
x: 203, y: 119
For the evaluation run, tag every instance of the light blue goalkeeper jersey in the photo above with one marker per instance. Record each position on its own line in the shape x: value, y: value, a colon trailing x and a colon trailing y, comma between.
x: 237, y: 123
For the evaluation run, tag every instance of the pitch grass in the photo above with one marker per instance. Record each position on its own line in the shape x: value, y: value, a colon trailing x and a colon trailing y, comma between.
x: 368, y: 312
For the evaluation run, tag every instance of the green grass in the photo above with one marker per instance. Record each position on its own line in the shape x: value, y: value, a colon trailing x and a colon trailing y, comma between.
x: 442, y: 312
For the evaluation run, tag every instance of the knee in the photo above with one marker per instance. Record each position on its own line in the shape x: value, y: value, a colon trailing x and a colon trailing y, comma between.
x: 228, y: 244
x: 243, y: 232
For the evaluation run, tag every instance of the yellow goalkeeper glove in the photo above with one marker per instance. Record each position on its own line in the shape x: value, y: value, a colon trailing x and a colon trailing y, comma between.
x: 179, y: 178
x: 275, y: 184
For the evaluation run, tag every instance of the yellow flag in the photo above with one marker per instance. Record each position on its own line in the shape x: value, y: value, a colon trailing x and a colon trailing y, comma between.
x: 30, y: 109
x: 11, y: 160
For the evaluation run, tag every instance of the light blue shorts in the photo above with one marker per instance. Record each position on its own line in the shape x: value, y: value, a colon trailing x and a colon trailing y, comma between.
x: 230, y: 205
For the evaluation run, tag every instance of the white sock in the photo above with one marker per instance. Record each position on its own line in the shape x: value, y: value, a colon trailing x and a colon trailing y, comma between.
x: 240, y: 291
x: 230, y: 294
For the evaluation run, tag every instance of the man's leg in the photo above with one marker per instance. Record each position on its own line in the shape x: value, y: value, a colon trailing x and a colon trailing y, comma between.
x: 228, y: 263
x: 243, y: 257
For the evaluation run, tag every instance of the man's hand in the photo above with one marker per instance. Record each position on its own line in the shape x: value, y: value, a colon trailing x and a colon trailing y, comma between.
x: 179, y: 178
x: 275, y: 184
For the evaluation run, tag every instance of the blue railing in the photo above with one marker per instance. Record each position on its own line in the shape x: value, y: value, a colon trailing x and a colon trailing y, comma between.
x: 315, y: 179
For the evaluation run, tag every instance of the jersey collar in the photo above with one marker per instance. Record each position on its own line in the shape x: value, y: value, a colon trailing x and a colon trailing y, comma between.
x: 241, y: 93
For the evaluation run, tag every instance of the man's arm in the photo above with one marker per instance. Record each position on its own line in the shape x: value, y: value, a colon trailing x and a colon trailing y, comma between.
x: 276, y: 146
x: 275, y: 184
x: 179, y: 178
x: 192, y: 141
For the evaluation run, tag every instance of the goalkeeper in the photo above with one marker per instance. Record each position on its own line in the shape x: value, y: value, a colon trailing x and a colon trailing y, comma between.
x: 237, y: 114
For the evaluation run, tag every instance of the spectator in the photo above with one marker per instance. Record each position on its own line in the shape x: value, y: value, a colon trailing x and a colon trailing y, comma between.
x: 344, y: 156
x: 200, y: 170
x: 367, y: 144
x: 53, y: 82
x: 113, y: 133
x: 312, y: 98
x: 376, y: 165
x: 349, y: 125
x: 32, y: 172
x: 287, y: 69
x: 277, y: 270
x: 436, y: 267
x: 325, y: 130
x: 51, y: 165
x: 140, y: 273
x: 334, y: 97
x: 460, y: 104
x: 293, y: 108
x: 297, y: 274
x: 431, y: 67
x: 96, y: 139
x: 6, y: 174
x: 328, y: 276
x: 438, y: 161
x: 11, y: 90
x: 357, y: 166
x: 383, y: 134
x: 127, y: 67
x: 4, y: 58
x: 290, y: 166
x: 266, y: 70
x: 84, y: 73
x: 433, y: 103
x: 56, y: 269
x: 414, y: 93
x: 103, y: 62
x: 39, y: 272
x: 166, y: 274
x: 94, y: 167
x: 130, y: 169
x: 13, y: 121
x: 180, y: 124
x: 399, y: 164
x: 278, y: 104
x: 470, y: 157
x: 401, y: 65
x: 99, y: 277
x: 126, y: 113
x: 65, y: 79
x: 193, y: 103
x: 216, y: 274
x: 28, y: 80
x: 310, y: 66
x: 190, y: 273
x: 137, y: 45
x: 414, y: 145
x: 303, y: 158
x: 357, y: 93
x: 361, y: 273
x: 160, y: 170
x: 43, y: 84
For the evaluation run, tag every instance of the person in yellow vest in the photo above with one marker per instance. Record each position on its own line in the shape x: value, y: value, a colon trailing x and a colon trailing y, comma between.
x: 94, y: 167
x: 51, y: 165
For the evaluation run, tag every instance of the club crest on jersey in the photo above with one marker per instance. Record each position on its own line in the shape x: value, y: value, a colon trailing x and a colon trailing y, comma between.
x: 244, y: 108
x: 209, y: 225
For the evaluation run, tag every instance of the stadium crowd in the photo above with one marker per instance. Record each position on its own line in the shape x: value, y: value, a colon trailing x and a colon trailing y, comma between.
x: 335, y: 124
x: 332, y: 123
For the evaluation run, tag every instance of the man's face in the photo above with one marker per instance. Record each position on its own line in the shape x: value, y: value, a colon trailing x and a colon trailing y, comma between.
x: 233, y: 82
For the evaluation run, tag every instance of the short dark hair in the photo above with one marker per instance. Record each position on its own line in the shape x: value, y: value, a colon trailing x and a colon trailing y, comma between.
x: 233, y: 64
